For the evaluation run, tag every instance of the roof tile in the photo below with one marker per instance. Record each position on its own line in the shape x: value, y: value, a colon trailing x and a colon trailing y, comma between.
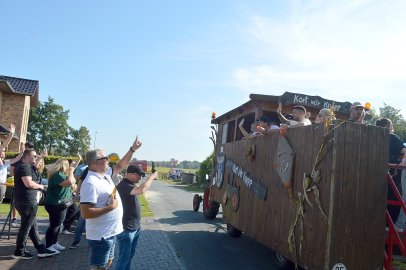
x: 21, y: 86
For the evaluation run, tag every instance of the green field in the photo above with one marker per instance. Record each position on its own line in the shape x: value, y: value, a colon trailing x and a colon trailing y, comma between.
x: 163, y: 176
x: 5, y: 207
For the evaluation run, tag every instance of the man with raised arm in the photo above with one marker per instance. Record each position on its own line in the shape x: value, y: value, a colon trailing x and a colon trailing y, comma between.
x: 299, y: 116
x: 101, y: 206
x: 5, y: 163
x: 129, y: 193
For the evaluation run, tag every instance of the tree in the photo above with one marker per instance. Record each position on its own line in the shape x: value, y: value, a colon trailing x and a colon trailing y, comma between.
x: 78, y: 141
x: 206, y: 167
x: 48, y: 126
x: 48, y: 129
x: 371, y: 117
x: 399, y: 123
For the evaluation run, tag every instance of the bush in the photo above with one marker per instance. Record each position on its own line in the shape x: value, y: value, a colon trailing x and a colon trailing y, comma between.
x: 206, y: 167
x: 47, y: 160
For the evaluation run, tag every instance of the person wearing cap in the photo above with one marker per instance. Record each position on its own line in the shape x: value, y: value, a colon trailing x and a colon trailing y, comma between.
x: 357, y: 113
x: 129, y: 193
x: 101, y: 206
x: 299, y: 116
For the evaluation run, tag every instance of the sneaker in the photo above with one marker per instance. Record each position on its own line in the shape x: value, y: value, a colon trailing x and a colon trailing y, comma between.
x: 58, y: 246
x: 14, y: 223
x: 75, y: 244
x: 68, y: 231
x: 25, y: 255
x: 48, y: 252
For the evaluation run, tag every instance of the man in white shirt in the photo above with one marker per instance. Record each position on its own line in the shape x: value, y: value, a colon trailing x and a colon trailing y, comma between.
x: 101, y: 206
x: 299, y: 116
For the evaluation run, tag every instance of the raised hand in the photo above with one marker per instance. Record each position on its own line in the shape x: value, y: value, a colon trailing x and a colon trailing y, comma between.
x: 12, y: 128
x: 241, y: 122
x: 154, y: 175
x: 279, y: 109
x: 137, y: 144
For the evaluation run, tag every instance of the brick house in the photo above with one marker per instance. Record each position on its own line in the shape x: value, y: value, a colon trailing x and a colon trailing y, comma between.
x: 17, y: 96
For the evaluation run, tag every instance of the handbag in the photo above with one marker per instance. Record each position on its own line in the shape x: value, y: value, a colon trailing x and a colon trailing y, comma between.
x: 68, y: 203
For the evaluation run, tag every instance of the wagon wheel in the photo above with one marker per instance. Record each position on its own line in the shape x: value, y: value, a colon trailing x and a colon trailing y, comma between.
x: 197, y: 199
x: 210, y: 208
x: 281, y: 262
x: 233, y: 231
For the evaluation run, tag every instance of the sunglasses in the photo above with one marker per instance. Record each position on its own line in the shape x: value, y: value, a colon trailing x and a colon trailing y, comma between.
x: 102, y: 158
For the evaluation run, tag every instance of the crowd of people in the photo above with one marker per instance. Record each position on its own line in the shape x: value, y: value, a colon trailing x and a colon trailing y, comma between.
x: 101, y: 212
x: 101, y: 192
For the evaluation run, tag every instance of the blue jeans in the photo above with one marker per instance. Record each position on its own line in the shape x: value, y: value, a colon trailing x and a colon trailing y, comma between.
x: 127, y: 242
x: 101, y: 252
x: 79, y: 229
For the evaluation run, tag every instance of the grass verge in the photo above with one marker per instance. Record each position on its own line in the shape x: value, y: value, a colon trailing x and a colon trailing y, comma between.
x: 5, y: 207
x: 191, y: 188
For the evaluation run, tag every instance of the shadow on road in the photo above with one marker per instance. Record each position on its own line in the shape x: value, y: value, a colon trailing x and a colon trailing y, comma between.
x: 190, y: 217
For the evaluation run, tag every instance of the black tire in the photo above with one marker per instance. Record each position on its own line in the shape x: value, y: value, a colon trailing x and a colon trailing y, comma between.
x: 212, y: 210
x: 281, y: 262
x: 233, y: 231
x: 197, y: 199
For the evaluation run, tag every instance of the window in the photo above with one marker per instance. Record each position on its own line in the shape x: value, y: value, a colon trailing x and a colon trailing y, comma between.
x: 249, y: 125
x: 227, y: 132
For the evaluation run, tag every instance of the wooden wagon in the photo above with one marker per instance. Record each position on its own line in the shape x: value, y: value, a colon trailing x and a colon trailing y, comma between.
x: 314, y: 194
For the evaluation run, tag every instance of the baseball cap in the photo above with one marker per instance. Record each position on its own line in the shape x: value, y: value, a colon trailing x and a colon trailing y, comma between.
x: 135, y: 169
x: 356, y: 104
x: 264, y: 118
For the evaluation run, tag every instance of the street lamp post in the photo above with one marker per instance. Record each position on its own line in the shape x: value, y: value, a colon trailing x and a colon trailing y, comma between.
x: 94, y: 142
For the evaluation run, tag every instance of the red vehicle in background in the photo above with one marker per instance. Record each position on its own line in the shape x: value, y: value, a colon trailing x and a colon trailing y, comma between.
x: 142, y: 163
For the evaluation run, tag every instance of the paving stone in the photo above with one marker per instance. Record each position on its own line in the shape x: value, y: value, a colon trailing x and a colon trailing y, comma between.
x: 154, y: 251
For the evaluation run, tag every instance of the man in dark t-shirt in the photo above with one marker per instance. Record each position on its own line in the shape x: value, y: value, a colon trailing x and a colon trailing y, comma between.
x: 26, y: 186
x: 396, y: 150
x: 127, y: 240
x: 13, y: 166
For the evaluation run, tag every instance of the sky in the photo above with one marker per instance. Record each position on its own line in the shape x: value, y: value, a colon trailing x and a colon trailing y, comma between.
x: 158, y: 69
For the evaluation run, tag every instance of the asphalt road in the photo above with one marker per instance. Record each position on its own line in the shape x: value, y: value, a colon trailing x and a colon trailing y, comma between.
x: 202, y: 243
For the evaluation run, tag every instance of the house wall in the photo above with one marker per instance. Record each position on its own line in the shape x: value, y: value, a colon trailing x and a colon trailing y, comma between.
x: 15, y: 109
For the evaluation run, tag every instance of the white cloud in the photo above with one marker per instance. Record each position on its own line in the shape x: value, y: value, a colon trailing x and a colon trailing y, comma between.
x: 341, y: 49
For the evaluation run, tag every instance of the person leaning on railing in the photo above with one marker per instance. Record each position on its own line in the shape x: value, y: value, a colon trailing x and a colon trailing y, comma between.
x: 396, y: 151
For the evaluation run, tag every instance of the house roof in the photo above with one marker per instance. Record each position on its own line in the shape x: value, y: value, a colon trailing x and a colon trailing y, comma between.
x: 6, y: 131
x: 20, y: 86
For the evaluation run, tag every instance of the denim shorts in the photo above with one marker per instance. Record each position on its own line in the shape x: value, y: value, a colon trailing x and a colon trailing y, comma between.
x: 101, y: 251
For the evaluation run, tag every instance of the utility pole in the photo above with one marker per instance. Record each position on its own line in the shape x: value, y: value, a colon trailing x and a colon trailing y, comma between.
x: 94, y: 141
